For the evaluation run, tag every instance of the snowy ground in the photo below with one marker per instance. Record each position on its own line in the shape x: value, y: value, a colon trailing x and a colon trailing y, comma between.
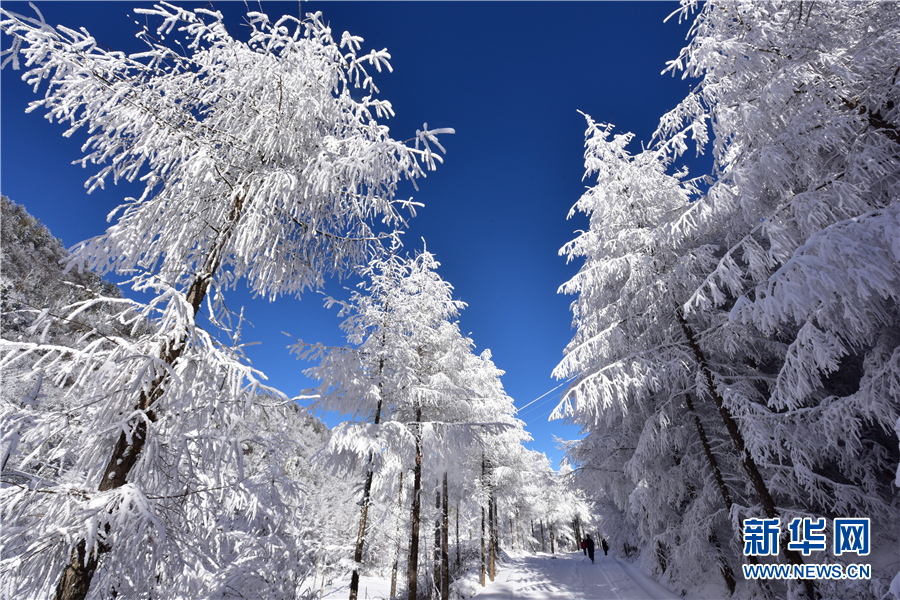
x: 569, y: 576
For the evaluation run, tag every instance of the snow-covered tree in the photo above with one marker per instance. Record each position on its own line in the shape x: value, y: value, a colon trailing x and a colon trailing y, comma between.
x: 368, y: 379
x: 634, y: 374
x: 803, y: 107
x: 496, y: 461
x: 402, y: 377
x: 806, y: 140
x: 32, y: 278
x: 422, y: 400
x: 774, y: 289
x: 258, y: 164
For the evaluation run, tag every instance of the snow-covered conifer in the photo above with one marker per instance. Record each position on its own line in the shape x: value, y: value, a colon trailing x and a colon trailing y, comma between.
x: 780, y: 280
x: 803, y: 106
x: 406, y: 377
x: 636, y: 377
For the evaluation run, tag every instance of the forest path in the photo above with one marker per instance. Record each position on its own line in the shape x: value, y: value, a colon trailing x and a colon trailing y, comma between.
x: 571, y: 576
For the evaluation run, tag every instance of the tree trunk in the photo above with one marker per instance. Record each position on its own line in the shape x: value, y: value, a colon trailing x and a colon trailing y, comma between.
x: 661, y: 557
x: 445, y: 547
x: 496, y: 529
x: 367, y: 492
x: 724, y: 567
x: 737, y: 439
x: 436, y: 587
x: 397, y: 554
x: 491, y: 564
x: 710, y: 457
x: 360, y: 536
x: 76, y: 577
x: 552, y: 541
x: 413, y: 574
x: 575, y: 530
x: 543, y: 543
x: 519, y: 530
x: 483, y: 558
x: 457, y: 539
x: 482, y: 548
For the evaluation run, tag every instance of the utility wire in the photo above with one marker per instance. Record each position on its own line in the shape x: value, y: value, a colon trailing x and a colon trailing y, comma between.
x: 518, y: 410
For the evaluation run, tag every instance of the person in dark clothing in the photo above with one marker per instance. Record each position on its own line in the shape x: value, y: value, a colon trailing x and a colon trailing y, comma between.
x: 584, y: 547
x: 604, y: 545
x: 590, y: 547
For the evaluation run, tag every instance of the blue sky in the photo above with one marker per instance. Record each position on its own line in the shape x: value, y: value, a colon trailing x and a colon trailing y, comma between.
x: 509, y: 77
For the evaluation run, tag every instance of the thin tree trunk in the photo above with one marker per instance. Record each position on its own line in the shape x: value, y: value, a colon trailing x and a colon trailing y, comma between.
x: 543, y: 543
x: 710, y: 457
x: 360, y: 536
x: 491, y: 564
x: 397, y: 554
x: 496, y: 529
x: 519, y: 530
x: 367, y: 491
x: 737, y: 439
x: 482, y: 548
x: 552, y: 541
x: 413, y: 574
x: 724, y: 567
x: 457, y: 539
x: 445, y: 546
x: 483, y: 558
x: 318, y: 566
x: 576, y: 531
x: 436, y: 587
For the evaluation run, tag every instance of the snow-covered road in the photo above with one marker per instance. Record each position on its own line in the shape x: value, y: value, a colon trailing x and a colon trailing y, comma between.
x: 568, y: 576
x: 571, y: 577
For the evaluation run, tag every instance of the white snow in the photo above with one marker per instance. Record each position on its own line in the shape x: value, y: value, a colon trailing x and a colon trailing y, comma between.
x: 543, y: 576
x: 570, y: 576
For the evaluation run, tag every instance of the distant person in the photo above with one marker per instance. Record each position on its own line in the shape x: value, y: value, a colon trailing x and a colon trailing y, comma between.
x: 584, y: 547
x: 604, y: 545
x: 590, y: 547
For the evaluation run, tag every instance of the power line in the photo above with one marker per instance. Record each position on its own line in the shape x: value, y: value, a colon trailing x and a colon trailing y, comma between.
x: 544, y: 394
